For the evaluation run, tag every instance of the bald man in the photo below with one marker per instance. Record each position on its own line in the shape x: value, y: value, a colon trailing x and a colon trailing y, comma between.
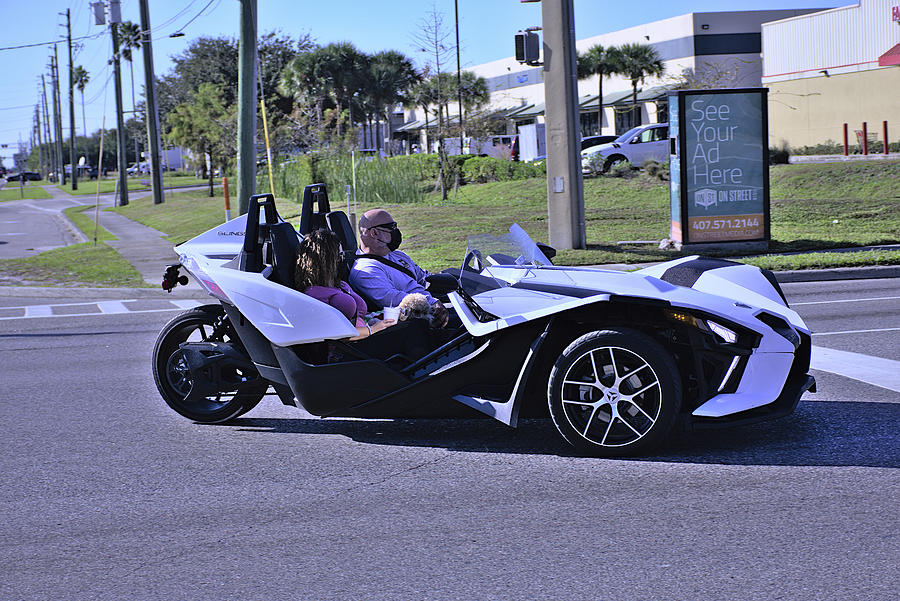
x: 388, y: 280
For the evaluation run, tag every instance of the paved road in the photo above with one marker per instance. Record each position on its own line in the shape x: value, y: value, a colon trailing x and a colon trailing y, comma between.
x: 107, y: 494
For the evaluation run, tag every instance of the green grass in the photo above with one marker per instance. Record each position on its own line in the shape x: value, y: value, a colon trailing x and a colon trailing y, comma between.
x: 825, y: 260
x: 77, y: 265
x: 79, y: 216
x: 814, y: 207
x: 108, y: 185
x: 32, y: 191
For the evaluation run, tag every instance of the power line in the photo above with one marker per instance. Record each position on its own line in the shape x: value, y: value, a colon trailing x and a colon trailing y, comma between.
x: 84, y: 37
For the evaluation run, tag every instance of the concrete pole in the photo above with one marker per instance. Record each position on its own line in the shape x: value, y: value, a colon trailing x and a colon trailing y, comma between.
x: 120, y: 120
x: 50, y: 161
x: 246, y: 159
x: 565, y: 190
x: 152, y: 112
x: 72, y: 158
x: 57, y: 120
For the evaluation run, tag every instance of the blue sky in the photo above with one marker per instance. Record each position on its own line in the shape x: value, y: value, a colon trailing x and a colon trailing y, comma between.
x: 486, y: 29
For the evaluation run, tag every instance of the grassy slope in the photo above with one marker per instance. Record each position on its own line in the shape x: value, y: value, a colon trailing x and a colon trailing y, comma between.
x: 31, y: 191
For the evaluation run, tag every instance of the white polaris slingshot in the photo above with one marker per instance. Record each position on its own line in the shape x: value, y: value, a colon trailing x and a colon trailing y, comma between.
x: 616, y: 359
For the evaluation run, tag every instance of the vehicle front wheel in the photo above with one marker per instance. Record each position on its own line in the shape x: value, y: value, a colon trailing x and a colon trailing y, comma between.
x: 614, y: 392
x: 175, y: 381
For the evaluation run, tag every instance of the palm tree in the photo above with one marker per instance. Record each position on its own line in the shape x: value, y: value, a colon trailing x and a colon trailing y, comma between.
x: 80, y: 78
x: 637, y: 62
x: 340, y: 65
x: 300, y: 80
x: 391, y: 79
x: 602, y: 62
x: 130, y: 34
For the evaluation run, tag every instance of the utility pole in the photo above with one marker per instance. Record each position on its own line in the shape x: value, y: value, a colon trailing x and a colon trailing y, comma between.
x: 152, y: 114
x: 458, y: 77
x: 565, y: 188
x: 72, y: 152
x: 37, y: 125
x: 57, y: 119
x: 50, y: 161
x: 115, y: 17
x: 246, y: 160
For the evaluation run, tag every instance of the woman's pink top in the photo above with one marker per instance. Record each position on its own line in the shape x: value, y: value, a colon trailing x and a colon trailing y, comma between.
x: 344, y: 299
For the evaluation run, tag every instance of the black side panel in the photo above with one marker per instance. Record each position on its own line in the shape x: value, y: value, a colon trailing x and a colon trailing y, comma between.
x: 257, y: 345
x: 326, y: 389
x: 686, y: 274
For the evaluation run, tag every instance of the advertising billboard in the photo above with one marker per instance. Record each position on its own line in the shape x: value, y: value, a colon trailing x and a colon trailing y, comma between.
x: 719, y: 166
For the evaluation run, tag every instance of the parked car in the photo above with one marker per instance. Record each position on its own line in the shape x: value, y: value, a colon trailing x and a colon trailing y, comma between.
x: 31, y: 176
x: 592, y: 141
x: 637, y: 145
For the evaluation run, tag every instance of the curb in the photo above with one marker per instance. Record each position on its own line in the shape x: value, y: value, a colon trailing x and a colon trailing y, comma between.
x: 839, y: 273
x: 99, y: 293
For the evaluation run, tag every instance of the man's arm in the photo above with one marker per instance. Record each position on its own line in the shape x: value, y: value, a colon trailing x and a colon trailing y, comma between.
x: 374, y: 280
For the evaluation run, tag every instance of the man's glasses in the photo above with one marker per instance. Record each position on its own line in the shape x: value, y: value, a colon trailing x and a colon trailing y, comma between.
x: 385, y: 226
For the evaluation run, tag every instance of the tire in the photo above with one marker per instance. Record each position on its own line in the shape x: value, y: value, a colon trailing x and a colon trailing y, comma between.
x: 612, y: 162
x: 614, y: 392
x: 173, y: 381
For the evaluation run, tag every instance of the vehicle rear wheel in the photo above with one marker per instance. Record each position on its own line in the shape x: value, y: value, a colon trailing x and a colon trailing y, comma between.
x: 175, y: 381
x: 614, y: 392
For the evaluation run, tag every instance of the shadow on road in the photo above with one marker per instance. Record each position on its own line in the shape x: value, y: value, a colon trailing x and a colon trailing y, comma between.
x: 818, y: 433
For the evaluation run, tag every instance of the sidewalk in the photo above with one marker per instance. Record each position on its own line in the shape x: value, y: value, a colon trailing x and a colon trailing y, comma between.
x: 142, y: 246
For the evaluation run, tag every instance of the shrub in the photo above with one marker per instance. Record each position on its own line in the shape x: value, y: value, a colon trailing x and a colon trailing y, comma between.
x: 488, y: 169
x: 622, y: 169
x: 779, y: 156
x: 656, y: 169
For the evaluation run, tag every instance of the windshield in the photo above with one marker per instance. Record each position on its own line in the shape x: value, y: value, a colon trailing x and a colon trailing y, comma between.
x: 624, y: 137
x: 514, y: 248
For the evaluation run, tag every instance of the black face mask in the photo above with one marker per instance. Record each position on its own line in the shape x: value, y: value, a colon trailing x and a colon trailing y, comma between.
x: 396, y: 239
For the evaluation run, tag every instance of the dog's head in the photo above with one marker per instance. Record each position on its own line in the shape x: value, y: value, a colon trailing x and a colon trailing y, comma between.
x: 415, y: 305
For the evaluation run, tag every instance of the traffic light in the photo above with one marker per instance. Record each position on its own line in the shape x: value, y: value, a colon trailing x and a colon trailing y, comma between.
x: 528, y: 47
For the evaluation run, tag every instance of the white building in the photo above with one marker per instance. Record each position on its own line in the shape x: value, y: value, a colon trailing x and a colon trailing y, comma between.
x: 834, y: 67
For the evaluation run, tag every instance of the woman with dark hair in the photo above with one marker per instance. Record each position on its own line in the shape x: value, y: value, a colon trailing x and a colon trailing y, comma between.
x: 316, y: 274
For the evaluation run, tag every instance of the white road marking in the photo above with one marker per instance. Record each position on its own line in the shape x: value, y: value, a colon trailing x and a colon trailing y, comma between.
x: 876, y: 371
x: 856, y: 331
x: 112, y: 307
x: 103, y: 308
x: 846, y: 300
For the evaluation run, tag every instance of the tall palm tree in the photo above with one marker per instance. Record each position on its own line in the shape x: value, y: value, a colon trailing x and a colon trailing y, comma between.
x: 602, y: 62
x: 80, y: 78
x: 301, y: 81
x: 340, y: 65
x: 391, y: 78
x: 637, y: 62
x: 130, y: 35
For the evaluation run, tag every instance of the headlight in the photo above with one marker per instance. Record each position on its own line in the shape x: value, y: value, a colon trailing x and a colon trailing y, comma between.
x: 722, y: 332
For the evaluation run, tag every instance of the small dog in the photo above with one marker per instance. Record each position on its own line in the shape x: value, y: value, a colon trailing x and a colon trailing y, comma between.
x: 415, y: 306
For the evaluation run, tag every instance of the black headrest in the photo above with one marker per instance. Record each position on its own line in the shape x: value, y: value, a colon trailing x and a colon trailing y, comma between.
x: 284, y: 245
x: 310, y: 218
x: 340, y: 225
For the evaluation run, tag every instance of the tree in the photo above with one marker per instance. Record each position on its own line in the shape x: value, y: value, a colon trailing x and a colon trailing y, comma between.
x: 80, y: 78
x: 602, y: 62
x: 391, y: 79
x: 205, y: 125
x: 637, y: 61
x: 130, y: 38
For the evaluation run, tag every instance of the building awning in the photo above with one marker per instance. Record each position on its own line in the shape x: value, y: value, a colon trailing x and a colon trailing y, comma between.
x: 590, y: 101
x: 891, y: 57
x: 411, y: 126
x: 528, y: 112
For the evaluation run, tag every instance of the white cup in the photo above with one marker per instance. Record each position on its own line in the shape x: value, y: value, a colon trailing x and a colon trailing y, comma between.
x: 392, y: 313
